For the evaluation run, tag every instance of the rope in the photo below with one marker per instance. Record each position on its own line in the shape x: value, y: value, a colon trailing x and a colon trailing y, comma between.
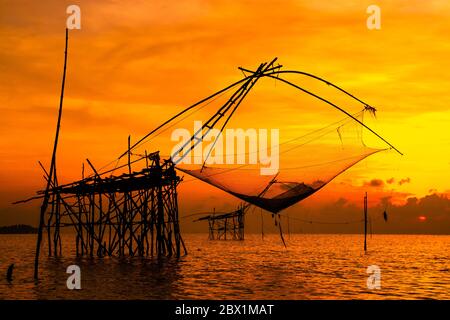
x: 322, y: 222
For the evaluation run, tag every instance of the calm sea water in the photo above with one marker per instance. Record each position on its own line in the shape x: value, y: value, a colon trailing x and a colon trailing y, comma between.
x: 311, y: 267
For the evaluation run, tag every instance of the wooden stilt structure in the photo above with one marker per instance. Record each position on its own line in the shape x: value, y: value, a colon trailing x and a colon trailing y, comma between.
x: 135, y: 213
x: 132, y: 214
x: 227, y: 226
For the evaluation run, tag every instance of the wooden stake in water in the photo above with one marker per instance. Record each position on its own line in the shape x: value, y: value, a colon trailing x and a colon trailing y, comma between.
x: 289, y: 228
x: 262, y: 226
x: 365, y: 222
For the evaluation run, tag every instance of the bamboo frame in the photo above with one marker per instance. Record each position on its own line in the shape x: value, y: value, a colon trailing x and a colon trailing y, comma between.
x: 228, y: 226
x: 134, y: 214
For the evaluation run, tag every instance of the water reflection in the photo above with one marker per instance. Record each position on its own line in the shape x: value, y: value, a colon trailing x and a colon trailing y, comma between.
x: 311, y: 267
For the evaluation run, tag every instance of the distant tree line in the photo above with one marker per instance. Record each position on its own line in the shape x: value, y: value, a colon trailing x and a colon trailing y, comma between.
x: 18, y: 228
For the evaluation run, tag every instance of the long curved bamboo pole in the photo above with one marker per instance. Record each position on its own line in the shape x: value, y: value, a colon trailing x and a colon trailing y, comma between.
x: 335, y: 106
x: 314, y: 77
x: 271, y: 73
x: 182, y: 112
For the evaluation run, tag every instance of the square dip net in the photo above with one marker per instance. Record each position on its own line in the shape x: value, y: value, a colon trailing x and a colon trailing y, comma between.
x: 293, y: 133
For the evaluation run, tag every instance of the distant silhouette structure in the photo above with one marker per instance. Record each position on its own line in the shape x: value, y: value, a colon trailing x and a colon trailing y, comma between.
x: 226, y: 226
x: 9, y: 273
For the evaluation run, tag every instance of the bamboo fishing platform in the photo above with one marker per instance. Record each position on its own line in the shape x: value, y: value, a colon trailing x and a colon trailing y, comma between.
x: 133, y: 214
x: 227, y: 224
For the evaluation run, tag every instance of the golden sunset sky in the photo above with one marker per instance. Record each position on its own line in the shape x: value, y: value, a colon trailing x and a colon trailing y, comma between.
x: 135, y: 63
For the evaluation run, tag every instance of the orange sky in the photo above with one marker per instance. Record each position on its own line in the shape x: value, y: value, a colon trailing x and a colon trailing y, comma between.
x: 133, y: 65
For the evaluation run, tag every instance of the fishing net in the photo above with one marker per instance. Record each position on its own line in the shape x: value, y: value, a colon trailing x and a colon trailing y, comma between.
x: 306, y: 164
x: 286, y: 145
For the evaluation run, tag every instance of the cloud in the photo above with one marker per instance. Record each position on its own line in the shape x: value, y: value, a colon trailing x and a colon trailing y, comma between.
x: 390, y: 181
x: 403, y: 181
x: 376, y: 183
x: 403, y: 218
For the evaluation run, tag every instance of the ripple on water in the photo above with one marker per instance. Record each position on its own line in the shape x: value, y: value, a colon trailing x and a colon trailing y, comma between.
x: 311, y: 267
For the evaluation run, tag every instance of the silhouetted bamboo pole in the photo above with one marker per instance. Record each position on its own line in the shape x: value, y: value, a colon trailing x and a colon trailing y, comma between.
x: 289, y: 227
x: 129, y: 215
x: 365, y: 222
x: 262, y: 226
x: 52, y: 165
